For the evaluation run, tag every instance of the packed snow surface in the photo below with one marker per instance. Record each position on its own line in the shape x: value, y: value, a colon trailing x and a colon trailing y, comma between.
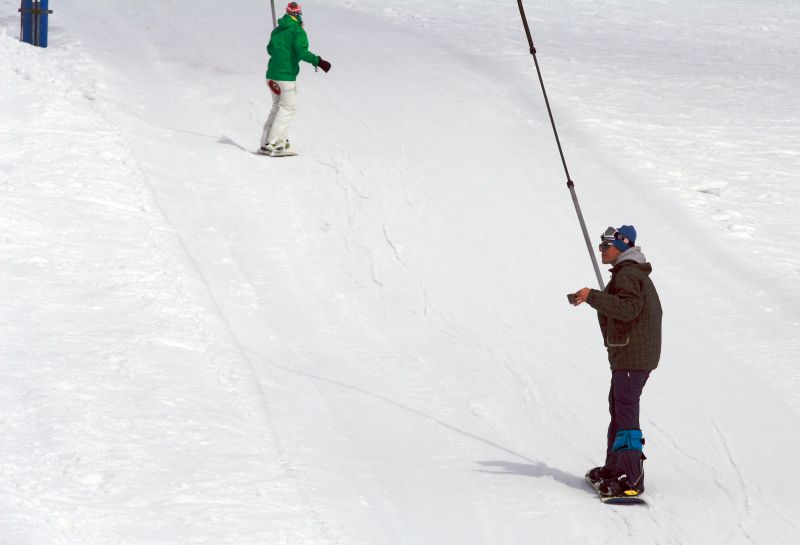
x: 370, y: 343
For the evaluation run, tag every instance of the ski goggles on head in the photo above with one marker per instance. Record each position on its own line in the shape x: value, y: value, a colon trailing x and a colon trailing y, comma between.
x: 610, y: 235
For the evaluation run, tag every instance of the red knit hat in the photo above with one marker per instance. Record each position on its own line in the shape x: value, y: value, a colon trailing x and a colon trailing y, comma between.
x: 293, y: 8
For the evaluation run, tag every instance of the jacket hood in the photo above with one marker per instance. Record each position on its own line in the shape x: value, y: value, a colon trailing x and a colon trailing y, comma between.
x: 632, y: 254
x: 288, y: 21
x: 632, y: 257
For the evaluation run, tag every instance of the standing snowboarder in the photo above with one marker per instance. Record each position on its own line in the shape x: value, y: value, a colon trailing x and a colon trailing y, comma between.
x: 288, y: 45
x: 629, y: 312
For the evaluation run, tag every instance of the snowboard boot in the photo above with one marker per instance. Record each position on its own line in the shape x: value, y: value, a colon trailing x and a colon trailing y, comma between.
x: 278, y: 147
x: 599, y: 474
x: 618, y: 487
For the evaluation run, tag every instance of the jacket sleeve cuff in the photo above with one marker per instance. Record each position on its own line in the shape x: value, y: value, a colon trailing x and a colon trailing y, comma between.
x: 592, y: 297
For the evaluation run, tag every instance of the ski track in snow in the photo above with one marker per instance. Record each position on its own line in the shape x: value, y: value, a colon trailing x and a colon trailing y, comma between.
x: 738, y: 495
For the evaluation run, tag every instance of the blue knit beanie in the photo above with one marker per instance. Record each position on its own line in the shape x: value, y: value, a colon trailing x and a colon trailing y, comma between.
x: 628, y: 232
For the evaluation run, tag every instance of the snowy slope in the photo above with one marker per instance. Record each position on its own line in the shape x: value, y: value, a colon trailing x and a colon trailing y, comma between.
x: 369, y: 343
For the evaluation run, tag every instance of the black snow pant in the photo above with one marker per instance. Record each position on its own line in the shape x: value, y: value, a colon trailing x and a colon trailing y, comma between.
x: 623, y: 404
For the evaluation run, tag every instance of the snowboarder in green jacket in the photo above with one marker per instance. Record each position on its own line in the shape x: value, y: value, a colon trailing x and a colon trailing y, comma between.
x: 288, y: 45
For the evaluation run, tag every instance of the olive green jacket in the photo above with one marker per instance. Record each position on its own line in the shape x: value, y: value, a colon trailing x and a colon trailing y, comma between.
x: 629, y: 312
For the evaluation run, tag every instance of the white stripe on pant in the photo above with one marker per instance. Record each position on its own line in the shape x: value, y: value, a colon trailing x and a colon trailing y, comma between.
x: 282, y: 113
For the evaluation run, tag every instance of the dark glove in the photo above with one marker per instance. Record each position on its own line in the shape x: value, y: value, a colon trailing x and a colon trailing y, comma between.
x: 325, y: 65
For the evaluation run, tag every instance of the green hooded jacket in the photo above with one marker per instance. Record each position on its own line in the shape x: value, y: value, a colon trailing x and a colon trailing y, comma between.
x: 288, y: 45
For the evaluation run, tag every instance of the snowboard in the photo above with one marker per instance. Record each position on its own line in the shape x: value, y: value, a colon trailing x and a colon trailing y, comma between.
x: 617, y: 500
x: 284, y: 153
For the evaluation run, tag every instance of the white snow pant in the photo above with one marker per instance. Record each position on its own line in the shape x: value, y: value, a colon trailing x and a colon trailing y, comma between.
x: 282, y: 113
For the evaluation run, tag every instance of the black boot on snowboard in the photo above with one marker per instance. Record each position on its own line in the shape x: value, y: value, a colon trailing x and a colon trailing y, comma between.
x: 619, y: 487
x: 600, y: 474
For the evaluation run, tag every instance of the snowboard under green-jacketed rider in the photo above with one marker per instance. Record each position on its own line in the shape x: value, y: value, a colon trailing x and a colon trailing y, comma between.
x: 288, y: 45
x: 629, y: 312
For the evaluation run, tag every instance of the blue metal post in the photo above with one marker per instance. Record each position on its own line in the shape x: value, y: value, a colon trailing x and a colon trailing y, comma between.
x: 33, y: 23
x: 43, y: 17
x: 26, y: 21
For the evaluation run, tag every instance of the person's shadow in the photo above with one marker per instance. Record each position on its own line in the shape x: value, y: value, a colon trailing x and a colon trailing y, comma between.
x: 529, y: 469
x: 538, y: 470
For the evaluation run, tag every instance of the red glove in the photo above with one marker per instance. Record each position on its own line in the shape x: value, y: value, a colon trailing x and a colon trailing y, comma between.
x: 325, y: 65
